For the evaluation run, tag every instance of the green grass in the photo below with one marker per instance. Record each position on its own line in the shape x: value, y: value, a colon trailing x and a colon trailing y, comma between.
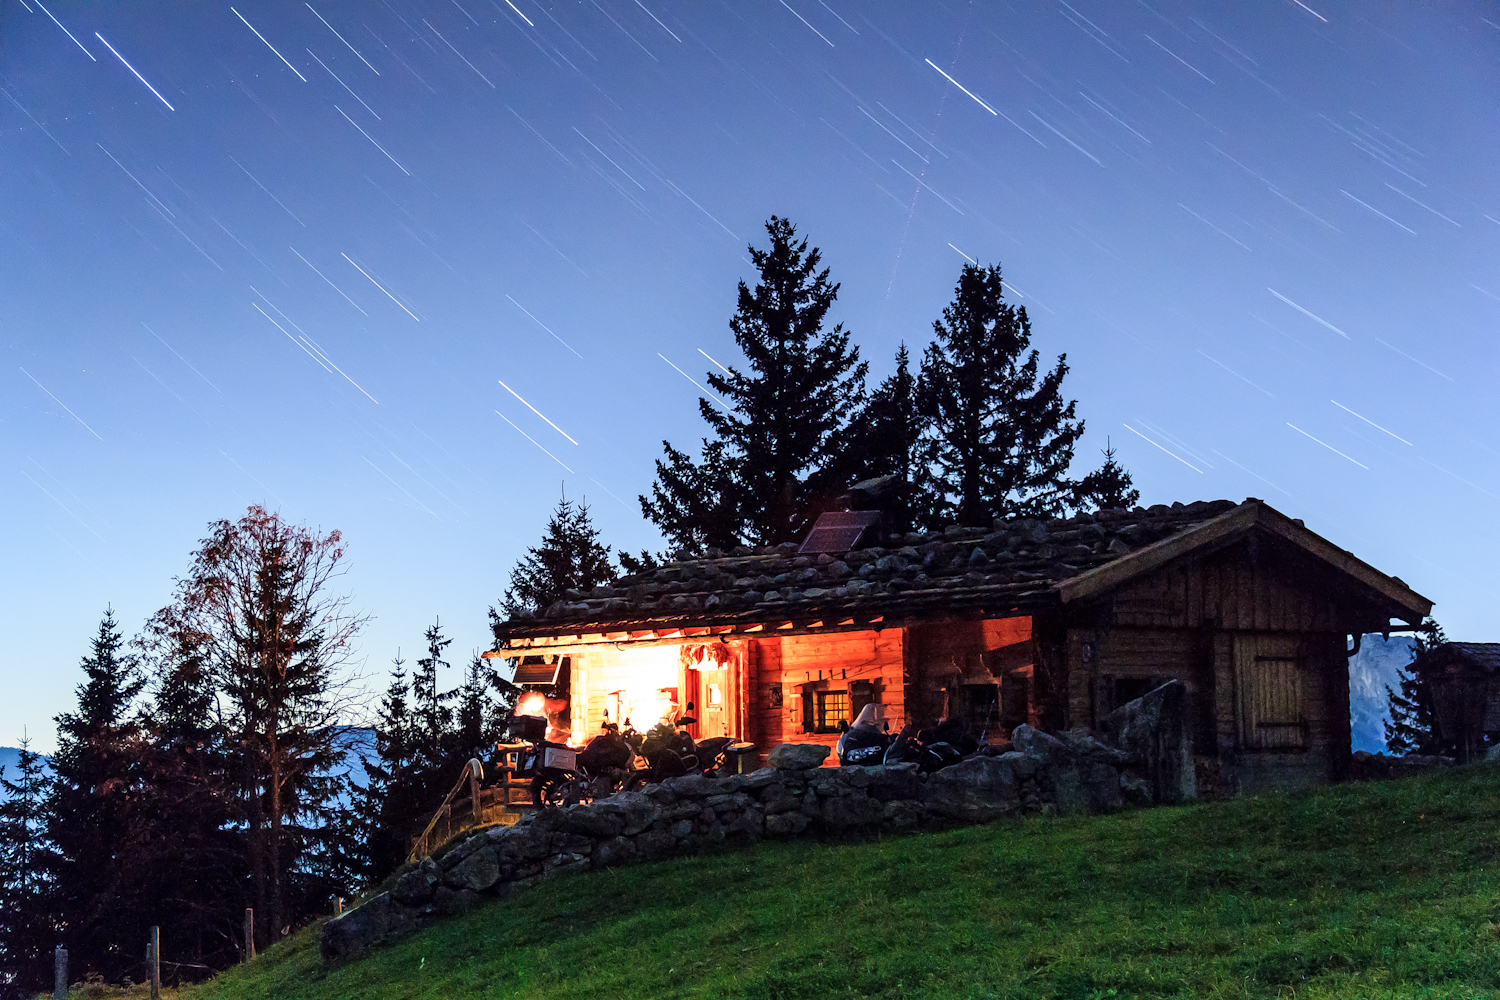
x: 1367, y: 891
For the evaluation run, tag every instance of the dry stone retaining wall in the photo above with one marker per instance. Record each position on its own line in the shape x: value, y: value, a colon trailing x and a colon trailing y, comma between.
x: 1073, y: 773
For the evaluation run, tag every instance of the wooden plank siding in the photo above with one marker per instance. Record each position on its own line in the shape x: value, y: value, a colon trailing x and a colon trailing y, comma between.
x: 828, y: 662
x: 1205, y: 622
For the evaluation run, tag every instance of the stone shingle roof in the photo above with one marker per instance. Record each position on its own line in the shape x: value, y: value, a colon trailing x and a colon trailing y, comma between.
x: 1484, y: 656
x: 1015, y: 564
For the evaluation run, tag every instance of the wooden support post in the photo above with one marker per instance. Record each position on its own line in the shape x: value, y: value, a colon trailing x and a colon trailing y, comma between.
x: 249, y: 933
x: 60, y: 970
x: 154, y: 950
x: 338, y: 905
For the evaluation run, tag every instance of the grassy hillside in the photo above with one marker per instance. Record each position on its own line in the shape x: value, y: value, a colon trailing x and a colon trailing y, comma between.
x: 1377, y: 890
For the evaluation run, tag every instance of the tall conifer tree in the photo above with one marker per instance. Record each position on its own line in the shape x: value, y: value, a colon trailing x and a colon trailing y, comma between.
x: 27, y: 920
x: 1002, y: 434
x: 97, y: 780
x: 782, y: 449
x: 568, y: 558
x: 890, y: 433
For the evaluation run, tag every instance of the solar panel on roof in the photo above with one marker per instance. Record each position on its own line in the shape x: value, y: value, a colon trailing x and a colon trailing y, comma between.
x: 838, y: 531
x: 537, y: 673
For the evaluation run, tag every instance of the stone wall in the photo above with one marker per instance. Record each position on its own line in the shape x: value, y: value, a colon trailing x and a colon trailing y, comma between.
x: 795, y: 797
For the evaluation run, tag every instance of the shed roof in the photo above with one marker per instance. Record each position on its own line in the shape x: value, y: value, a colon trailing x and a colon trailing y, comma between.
x: 1482, y: 656
x: 1017, y: 566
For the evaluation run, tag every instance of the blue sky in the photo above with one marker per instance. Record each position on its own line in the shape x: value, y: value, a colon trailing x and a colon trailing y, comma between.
x: 286, y: 254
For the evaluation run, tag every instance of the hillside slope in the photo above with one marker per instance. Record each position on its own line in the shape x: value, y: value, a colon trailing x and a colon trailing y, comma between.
x: 1365, y: 891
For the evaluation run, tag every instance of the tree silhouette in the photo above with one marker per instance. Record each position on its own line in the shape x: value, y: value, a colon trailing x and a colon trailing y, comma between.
x: 781, y: 448
x: 1002, y: 434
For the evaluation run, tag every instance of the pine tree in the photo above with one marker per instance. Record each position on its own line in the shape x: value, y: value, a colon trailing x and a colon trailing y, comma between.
x: 1411, y: 729
x: 782, y: 449
x: 890, y: 443
x: 188, y: 861
x: 478, y: 718
x: 27, y: 920
x: 1002, y: 435
x: 1108, y: 487
x: 430, y: 716
x: 569, y: 558
x: 96, y: 786
x: 388, y: 805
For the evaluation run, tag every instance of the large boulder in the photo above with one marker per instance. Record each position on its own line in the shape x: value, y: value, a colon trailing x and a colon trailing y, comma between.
x: 973, y: 790
x: 475, y: 873
x: 797, y: 756
x: 1155, y: 731
x: 417, y: 886
x: 357, y: 930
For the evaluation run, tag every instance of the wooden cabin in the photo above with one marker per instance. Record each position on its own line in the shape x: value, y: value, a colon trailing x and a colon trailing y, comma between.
x: 1053, y: 623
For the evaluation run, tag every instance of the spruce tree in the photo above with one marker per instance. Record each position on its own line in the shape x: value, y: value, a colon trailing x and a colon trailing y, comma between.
x: 388, y: 804
x: 782, y: 450
x: 430, y: 716
x: 478, y: 718
x: 97, y: 780
x: 1108, y: 487
x: 890, y: 443
x: 1002, y: 435
x: 27, y: 917
x: 188, y: 863
x: 568, y: 558
x: 1411, y: 729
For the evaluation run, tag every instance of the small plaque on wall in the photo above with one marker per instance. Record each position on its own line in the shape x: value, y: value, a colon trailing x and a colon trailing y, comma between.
x: 773, y: 695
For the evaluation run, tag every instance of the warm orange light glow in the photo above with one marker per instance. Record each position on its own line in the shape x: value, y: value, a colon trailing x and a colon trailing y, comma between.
x: 531, y: 703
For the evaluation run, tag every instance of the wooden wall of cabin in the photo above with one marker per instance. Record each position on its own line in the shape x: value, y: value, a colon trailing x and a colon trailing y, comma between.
x: 1209, y: 623
x: 982, y: 669
x: 782, y: 669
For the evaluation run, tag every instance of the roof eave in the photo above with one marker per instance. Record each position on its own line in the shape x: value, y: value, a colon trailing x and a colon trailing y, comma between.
x: 1250, y: 516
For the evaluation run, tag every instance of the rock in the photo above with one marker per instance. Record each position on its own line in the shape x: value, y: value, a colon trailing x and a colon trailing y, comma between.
x: 973, y: 790
x: 637, y: 811
x: 1045, y: 748
x: 593, y: 820
x: 692, y: 786
x: 1155, y: 731
x: 417, y: 886
x: 1134, y: 789
x: 1083, y: 744
x: 359, y: 929
x: 786, y: 824
x: 778, y: 799
x: 529, y: 842
x: 761, y: 778
x: 903, y: 814
x: 850, y: 811
x: 656, y: 844
x: 477, y: 872
x: 892, y: 781
x: 797, y: 756
x: 1021, y: 765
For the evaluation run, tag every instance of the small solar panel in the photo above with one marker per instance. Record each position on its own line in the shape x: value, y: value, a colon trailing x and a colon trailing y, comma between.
x: 838, y: 531
x: 537, y: 673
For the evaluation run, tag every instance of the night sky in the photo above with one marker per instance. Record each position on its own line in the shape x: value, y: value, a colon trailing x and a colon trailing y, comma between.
x: 294, y: 255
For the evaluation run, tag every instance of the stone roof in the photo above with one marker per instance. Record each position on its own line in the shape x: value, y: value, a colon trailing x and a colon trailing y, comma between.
x: 1484, y: 656
x: 1013, y: 565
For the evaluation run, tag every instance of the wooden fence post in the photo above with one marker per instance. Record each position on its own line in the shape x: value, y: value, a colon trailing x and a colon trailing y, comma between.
x: 249, y: 933
x: 60, y: 969
x: 154, y: 950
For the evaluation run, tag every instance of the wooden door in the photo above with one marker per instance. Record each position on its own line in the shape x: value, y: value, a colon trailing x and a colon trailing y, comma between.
x: 713, y: 702
x: 1270, y: 695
